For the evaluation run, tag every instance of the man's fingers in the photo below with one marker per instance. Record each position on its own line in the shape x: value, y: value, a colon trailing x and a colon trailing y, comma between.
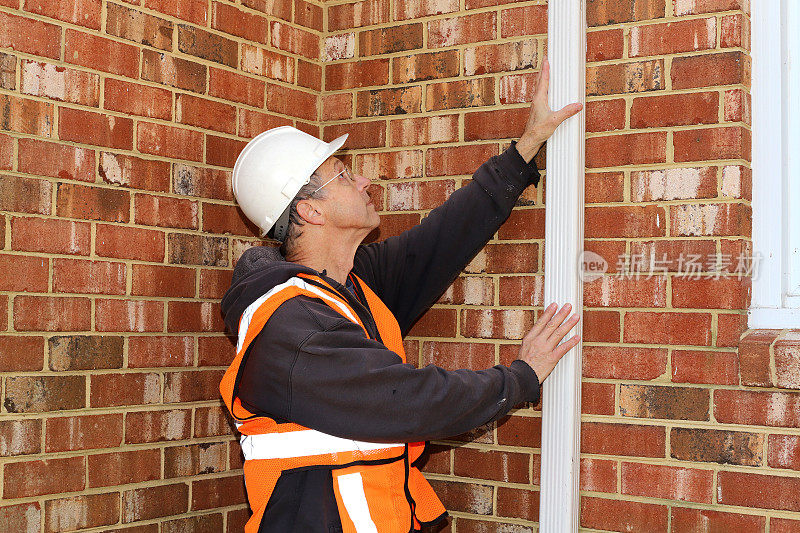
x: 557, y: 320
x: 564, y: 328
x: 543, y: 320
x: 565, y: 112
x: 566, y: 346
x: 543, y: 84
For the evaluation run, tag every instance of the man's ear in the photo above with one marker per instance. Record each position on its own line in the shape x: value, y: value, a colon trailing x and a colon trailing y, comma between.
x: 309, y: 213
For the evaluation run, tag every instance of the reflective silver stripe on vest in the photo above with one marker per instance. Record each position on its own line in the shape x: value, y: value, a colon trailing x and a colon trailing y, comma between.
x: 247, y: 316
x: 303, y: 443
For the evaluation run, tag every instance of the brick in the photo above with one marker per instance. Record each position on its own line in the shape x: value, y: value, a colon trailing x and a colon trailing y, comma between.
x: 457, y: 355
x: 282, y: 10
x: 227, y: 18
x: 621, y: 515
x: 129, y: 171
x: 737, y: 106
x: 207, y: 523
x: 222, y: 151
x: 627, y: 221
x: 499, y: 124
x: 153, y: 502
x: 207, y: 45
x: 129, y: 315
x: 195, y: 11
x: 603, y: 187
x: 83, y: 352
x: 523, y: 21
x: 496, y: 323
x: 19, y: 354
x: 712, y: 143
x: 203, y: 113
x: 30, y: 36
x: 615, y: 291
x: 519, y: 258
x: 308, y: 15
x: 411, y: 9
x: 423, y: 130
x: 50, y: 235
x: 173, y: 71
x: 598, y: 398
x: 211, y: 421
x: 122, y: 468
x: 598, y: 475
x: 388, y: 40
x: 137, y: 99
x: 309, y: 75
x: 25, y: 195
x: 215, y: 351
x: 163, y: 211
x: 674, y: 184
x: 675, y: 110
x: 604, y: 45
x: 78, y: 512
x: 268, y: 63
x: 192, y: 386
x: 354, y: 15
x: 294, y: 40
x: 716, y: 446
x: 705, y: 519
x: 82, y: 12
x: 380, y: 102
x: 729, y: 329
x: 236, y: 88
x: 194, y: 316
x: 291, y: 102
x: 418, y: 195
x: 45, y: 313
x: 777, y: 409
x: 462, y: 93
x: 683, y: 256
x: 470, y: 290
x: 88, y: 277
x: 251, y: 123
x: 784, y: 451
x: 722, y: 293
x: 159, y: 280
x: 668, y: 328
x: 59, y: 83
x: 692, y: 366
x: 95, y: 129
x: 675, y: 403
x: 521, y: 290
x: 23, y: 273
x: 191, y: 460
x: 621, y: 78
x: 784, y: 525
x: 759, y: 491
x: 755, y: 358
x: 436, y: 322
x: 20, y: 437
x: 201, y: 182
x: 93, y: 203
x: 667, y: 482
x: 735, y: 31
x: 168, y: 141
x: 33, y: 394
x: 420, y: 67
x: 390, y: 165
x: 6, y: 149
x: 219, y: 218
x: 465, y: 497
x: 674, y: 37
x: 112, y: 390
x: 101, y: 54
x: 21, y: 517
x: 518, y: 503
x: 623, y: 439
x: 707, y: 70
x: 69, y: 433
x: 217, y: 492
x: 49, y: 476
x: 24, y: 115
x: 56, y: 160
x: 523, y: 224
x: 605, y: 115
x: 129, y: 243
x: 340, y: 46
x: 696, y: 7
x: 517, y: 88
x: 134, y: 25
x: 626, y: 149
x: 787, y: 361
x: 618, y: 362
x: 461, y: 30
x: 710, y: 219
x: 362, y: 134
x: 605, y: 12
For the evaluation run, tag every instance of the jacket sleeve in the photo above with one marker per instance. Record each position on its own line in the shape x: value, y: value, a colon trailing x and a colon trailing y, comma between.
x: 411, y: 271
x: 338, y: 381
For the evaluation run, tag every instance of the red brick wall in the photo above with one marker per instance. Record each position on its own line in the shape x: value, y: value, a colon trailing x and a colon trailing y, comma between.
x: 120, y: 123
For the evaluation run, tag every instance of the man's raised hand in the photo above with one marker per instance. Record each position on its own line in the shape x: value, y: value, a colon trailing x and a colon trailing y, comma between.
x: 540, y: 348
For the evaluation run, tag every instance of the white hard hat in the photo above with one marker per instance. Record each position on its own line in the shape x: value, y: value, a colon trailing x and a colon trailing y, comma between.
x: 272, y: 169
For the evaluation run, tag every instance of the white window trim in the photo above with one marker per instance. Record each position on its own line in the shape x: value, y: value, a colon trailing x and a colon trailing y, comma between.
x: 559, y: 508
x: 772, y: 306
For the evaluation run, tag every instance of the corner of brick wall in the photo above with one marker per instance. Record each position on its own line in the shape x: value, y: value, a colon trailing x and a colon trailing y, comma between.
x: 120, y: 124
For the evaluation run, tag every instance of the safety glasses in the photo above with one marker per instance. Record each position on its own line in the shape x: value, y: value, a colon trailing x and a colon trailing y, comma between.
x: 346, y: 173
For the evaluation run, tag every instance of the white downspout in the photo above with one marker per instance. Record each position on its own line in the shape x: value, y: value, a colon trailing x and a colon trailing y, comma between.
x: 559, y: 508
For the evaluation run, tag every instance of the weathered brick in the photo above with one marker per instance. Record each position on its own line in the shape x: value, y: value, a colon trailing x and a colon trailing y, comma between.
x: 187, y: 249
x: 605, y: 115
x: 673, y: 184
x: 362, y: 134
x: 674, y: 37
x: 267, y: 63
x: 101, y: 54
x: 523, y: 21
x: 206, y: 45
x: 83, y: 352
x: 164, y: 211
x: 710, y: 219
x: 465, y: 497
x: 30, y: 36
x: 668, y: 482
x: 413, y: 9
x: 24, y: 115
x: 56, y: 160
x: 614, y: 291
x: 137, y: 99
x: 139, y: 27
x: 45, y: 313
x: 354, y: 15
x: 759, y: 491
x: 37, y: 394
x: 217, y: 492
x: 620, y: 78
x: 211, y: 421
x: 153, y: 502
x: 676, y: 403
x: 605, y: 12
x: 391, y: 39
x: 787, y: 361
x: 622, y: 515
x: 456, y: 355
x: 78, y: 512
x: 25, y: 195
x: 389, y: 101
x: 20, y: 354
x: 617, y: 362
x: 604, y: 45
x: 194, y: 316
x: 69, y: 433
x: 462, y: 30
x: 95, y: 129
x: 191, y: 460
x: 294, y: 40
x: 627, y: 221
x: 88, y: 277
x: 129, y: 315
x: 21, y: 517
x: 716, y: 446
x: 229, y: 19
x: 308, y: 15
x: 426, y: 66
x: 705, y: 519
x: 496, y: 323
x: 19, y: 437
x: 626, y: 149
x: 777, y: 409
x: 470, y: 290
x: 506, y: 258
x: 222, y: 151
x: 598, y: 475
x: 236, y: 88
x: 598, y: 398
x: 122, y: 468
x: 168, y: 141
x: 696, y: 7
x: 195, y: 11
x: 707, y: 70
x: 521, y: 290
x: 23, y: 273
x: 202, y: 182
x: 59, y: 83
x: 173, y: 71
x: 112, y: 390
x: 694, y: 366
x: 423, y: 130
x: 784, y: 451
x: 204, y: 113
x: 48, y: 476
x: 6, y: 145
x: 93, y: 203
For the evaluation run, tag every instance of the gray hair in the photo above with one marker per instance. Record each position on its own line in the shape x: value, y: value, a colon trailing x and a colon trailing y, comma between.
x: 296, y: 222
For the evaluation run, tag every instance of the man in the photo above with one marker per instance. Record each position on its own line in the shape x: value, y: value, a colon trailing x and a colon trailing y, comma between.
x: 331, y: 416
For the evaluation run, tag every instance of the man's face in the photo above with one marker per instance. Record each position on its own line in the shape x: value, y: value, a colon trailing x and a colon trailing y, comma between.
x: 347, y: 203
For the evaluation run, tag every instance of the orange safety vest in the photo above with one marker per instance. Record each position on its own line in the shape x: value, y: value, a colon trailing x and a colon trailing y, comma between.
x: 369, y: 479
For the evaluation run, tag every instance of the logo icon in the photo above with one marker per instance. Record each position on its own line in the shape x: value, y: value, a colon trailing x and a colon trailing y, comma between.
x: 592, y: 265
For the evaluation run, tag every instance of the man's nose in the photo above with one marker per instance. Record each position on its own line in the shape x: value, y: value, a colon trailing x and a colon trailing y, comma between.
x: 362, y: 182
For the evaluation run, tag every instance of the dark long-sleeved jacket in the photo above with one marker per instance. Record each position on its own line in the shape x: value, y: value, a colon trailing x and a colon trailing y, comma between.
x: 311, y: 366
